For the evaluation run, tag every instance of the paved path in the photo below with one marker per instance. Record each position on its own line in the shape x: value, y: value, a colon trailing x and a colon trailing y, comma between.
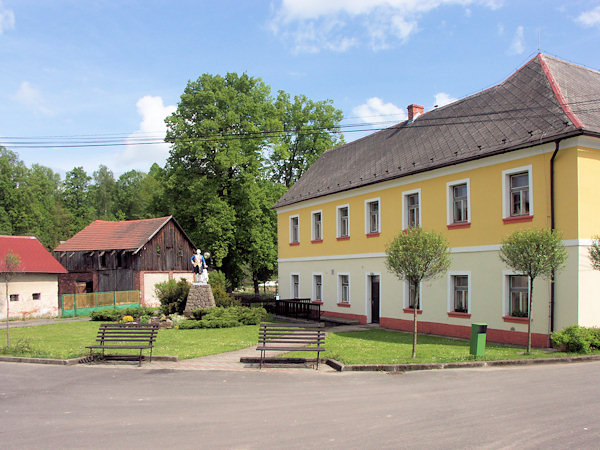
x: 230, y: 361
x: 35, y: 322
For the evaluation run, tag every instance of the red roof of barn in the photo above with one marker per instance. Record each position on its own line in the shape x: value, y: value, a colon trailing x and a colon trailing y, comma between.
x: 34, y: 256
x: 112, y: 235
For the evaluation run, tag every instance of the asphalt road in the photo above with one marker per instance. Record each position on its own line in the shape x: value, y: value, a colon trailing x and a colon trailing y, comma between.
x: 552, y: 406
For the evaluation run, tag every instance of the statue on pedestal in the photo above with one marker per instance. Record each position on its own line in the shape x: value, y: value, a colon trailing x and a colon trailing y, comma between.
x: 199, y: 267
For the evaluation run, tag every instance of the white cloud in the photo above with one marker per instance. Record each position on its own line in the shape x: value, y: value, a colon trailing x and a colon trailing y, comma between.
x: 315, y: 25
x: 137, y: 155
x: 374, y: 111
x: 7, y: 19
x: 32, y: 98
x: 590, y: 18
x: 517, y: 46
x: 443, y: 99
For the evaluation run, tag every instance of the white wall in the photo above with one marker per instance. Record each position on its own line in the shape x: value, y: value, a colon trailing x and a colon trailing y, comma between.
x: 25, y: 285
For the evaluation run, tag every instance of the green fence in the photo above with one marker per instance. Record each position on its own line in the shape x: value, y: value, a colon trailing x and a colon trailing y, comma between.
x: 82, y: 304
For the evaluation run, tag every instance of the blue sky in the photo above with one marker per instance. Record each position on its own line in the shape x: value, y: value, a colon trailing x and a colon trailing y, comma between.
x: 74, y: 71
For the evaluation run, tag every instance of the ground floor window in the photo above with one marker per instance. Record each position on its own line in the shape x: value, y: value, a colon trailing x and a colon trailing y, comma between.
x: 295, y: 286
x: 318, y: 288
x: 518, y: 288
x: 461, y: 293
x: 410, y: 296
x: 37, y: 296
x: 14, y: 297
x: 344, y: 288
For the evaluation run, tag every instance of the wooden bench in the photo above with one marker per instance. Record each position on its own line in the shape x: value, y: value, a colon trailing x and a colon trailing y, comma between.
x: 125, y: 336
x: 290, y: 337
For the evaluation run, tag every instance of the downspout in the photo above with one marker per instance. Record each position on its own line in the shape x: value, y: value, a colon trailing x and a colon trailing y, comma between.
x: 552, y: 226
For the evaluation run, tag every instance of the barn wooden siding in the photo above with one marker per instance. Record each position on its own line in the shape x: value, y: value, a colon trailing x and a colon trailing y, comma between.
x: 116, y: 270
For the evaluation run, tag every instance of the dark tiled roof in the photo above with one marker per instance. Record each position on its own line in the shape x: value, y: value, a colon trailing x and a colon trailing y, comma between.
x: 110, y: 235
x: 33, y: 255
x: 545, y: 99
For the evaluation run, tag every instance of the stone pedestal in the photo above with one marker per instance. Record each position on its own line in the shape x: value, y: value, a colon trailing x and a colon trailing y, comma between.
x: 200, y: 296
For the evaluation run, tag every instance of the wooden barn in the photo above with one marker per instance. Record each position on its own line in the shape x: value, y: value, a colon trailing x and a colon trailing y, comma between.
x: 125, y: 255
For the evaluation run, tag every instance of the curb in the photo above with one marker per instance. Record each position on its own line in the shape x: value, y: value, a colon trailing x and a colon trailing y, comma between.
x: 454, y: 365
x: 73, y: 361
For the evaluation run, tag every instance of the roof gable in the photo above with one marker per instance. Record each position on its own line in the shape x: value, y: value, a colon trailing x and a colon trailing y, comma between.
x: 117, y: 235
x: 34, y: 256
x: 540, y: 102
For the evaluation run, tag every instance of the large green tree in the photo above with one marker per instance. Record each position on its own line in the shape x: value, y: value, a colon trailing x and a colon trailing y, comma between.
x: 77, y: 199
x: 533, y: 252
x: 219, y: 133
x: 309, y: 129
x: 415, y: 256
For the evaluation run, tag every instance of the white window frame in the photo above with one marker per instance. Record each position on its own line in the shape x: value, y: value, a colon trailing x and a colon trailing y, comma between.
x: 339, y: 221
x: 292, y: 294
x: 313, y: 234
x: 405, y: 300
x: 292, y: 241
x: 368, y: 204
x: 405, y: 194
x: 506, y: 197
x: 339, y: 287
x: 450, y: 201
x: 506, y: 291
x: 314, y: 286
x: 451, y: 275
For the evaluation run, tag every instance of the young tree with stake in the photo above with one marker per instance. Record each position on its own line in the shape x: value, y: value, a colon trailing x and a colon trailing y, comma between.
x: 416, y: 256
x: 533, y: 252
x: 12, y: 263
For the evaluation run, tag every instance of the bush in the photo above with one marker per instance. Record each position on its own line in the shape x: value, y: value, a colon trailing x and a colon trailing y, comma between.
x: 106, y: 315
x: 138, y: 311
x: 220, y: 317
x: 219, y: 285
x: 576, y: 339
x: 172, y: 295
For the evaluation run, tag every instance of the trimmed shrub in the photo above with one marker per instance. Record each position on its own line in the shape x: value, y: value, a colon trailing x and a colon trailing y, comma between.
x: 106, y: 315
x: 172, y: 295
x: 138, y: 311
x: 576, y: 339
x: 220, y: 317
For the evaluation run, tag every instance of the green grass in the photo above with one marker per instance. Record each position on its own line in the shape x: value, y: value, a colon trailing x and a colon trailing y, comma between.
x: 68, y: 340
x: 392, y: 347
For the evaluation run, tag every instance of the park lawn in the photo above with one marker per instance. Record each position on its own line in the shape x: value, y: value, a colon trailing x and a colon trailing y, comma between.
x: 394, y: 347
x: 68, y: 340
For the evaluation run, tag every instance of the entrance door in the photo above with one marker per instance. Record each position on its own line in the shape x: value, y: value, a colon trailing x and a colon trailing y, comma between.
x: 374, y: 279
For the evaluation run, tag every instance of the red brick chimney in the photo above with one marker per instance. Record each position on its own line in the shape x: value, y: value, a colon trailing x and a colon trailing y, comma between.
x: 414, y: 111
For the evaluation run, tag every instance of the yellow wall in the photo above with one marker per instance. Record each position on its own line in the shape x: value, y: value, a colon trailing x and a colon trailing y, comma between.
x: 588, y: 170
x: 487, y: 226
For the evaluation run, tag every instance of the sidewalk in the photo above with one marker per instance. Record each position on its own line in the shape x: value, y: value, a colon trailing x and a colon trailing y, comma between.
x: 36, y: 322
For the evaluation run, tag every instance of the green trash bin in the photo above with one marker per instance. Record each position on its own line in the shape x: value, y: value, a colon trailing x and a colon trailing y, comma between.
x: 478, y: 334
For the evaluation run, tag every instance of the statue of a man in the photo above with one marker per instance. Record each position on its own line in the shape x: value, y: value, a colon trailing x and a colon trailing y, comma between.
x: 199, y: 267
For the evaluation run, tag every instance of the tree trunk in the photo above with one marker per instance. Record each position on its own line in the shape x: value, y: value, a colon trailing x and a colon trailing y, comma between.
x: 256, y: 288
x: 415, y: 307
x: 7, y: 308
x: 529, y: 316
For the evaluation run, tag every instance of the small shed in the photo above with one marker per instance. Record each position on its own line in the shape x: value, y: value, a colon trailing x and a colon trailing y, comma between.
x: 125, y: 255
x: 33, y: 289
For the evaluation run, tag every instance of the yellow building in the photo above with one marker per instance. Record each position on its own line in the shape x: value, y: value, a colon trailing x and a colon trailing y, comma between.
x: 522, y: 154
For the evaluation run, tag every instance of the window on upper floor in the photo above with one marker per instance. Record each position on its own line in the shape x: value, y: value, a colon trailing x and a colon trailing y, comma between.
x: 411, y: 209
x: 343, y: 221
x: 458, y: 206
x: 294, y: 230
x: 517, y: 200
x: 372, y: 217
x: 317, y: 226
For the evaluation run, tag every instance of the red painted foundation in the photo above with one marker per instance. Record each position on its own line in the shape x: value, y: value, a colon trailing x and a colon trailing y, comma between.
x: 462, y: 331
x: 361, y: 319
